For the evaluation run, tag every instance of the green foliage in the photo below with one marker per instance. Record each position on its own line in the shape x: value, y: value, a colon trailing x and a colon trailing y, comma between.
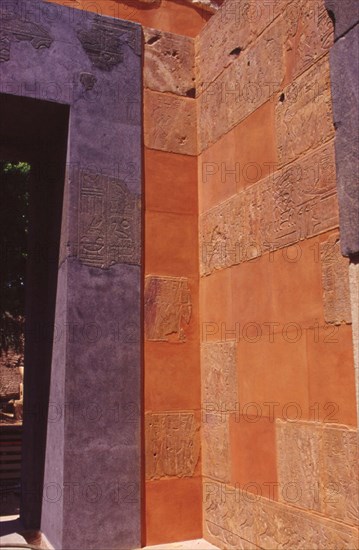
x: 14, y: 223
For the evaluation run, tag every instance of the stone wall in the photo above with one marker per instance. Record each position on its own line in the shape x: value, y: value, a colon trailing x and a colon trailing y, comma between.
x: 172, y: 493
x: 248, y: 356
x: 172, y: 396
x: 278, y: 391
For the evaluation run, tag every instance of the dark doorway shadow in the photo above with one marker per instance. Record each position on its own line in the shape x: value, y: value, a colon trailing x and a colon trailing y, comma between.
x: 36, y: 132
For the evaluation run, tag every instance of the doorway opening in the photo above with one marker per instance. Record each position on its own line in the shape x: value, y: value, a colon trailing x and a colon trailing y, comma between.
x: 33, y: 147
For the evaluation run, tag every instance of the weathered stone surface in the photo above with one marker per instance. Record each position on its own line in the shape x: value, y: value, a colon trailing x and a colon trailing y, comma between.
x: 110, y: 222
x: 168, y: 308
x: 335, y: 277
x: 236, y: 519
x: 19, y: 30
x: 309, y: 35
x: 317, y: 468
x: 345, y: 14
x: 304, y: 118
x: 228, y: 516
x: 298, y: 457
x: 242, y: 87
x: 102, y: 45
x: 305, y: 202
x: 172, y: 444
x: 170, y: 123
x: 227, y: 35
x: 221, y: 234
x: 340, y: 474
x: 219, y: 376
x: 279, y: 526
x: 169, y: 63
x: 344, y: 67
x: 292, y: 204
x: 215, y: 441
x: 225, y: 538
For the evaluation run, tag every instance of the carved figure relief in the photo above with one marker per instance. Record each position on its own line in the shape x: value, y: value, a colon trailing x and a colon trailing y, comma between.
x: 172, y: 444
x: 219, y: 378
x: 335, y: 278
x: 216, y: 460
x: 234, y: 519
x: 340, y: 486
x: 168, y: 308
x: 306, y: 104
x: 298, y: 451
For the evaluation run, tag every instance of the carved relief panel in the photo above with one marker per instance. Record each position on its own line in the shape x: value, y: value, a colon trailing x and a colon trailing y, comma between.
x: 168, y: 308
x: 172, y: 444
x: 110, y: 222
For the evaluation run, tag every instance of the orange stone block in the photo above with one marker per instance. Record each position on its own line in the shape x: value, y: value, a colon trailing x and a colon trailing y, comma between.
x: 173, y: 510
x: 252, y: 301
x: 273, y: 375
x: 170, y: 182
x: 256, y: 150
x: 253, y: 454
x: 296, y: 285
x: 171, y: 244
x: 218, y: 172
x: 215, y: 306
x: 331, y: 374
x: 172, y: 376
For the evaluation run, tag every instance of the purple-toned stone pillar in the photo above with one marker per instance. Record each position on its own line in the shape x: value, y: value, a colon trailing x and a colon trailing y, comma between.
x: 92, y: 475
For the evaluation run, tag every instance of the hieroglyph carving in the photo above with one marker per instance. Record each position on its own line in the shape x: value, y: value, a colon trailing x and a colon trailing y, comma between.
x: 317, y: 468
x: 104, y: 41
x: 298, y: 452
x: 340, y: 473
x: 109, y: 222
x: 219, y: 375
x: 239, y: 520
x: 216, y: 457
x: 172, y: 444
x: 290, y: 205
x: 309, y: 34
x: 304, y: 117
x: 168, y: 308
x: 335, y: 278
x: 15, y: 29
